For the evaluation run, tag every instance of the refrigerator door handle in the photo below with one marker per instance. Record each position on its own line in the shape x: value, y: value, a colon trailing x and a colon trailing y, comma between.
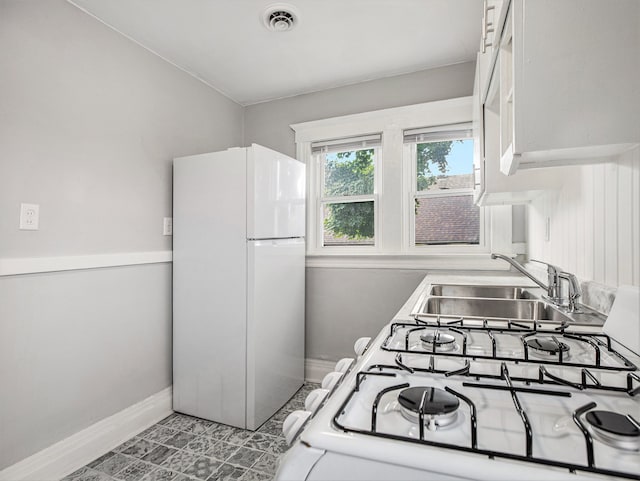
x: 272, y: 238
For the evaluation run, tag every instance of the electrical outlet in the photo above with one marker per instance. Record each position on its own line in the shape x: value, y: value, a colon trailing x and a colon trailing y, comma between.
x: 167, y: 226
x: 29, y: 216
x: 547, y: 229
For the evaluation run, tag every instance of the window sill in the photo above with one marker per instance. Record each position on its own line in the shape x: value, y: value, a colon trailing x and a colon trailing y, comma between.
x: 419, y: 262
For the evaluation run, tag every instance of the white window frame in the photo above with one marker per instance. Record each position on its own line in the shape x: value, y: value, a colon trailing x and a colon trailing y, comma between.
x: 320, y: 200
x: 410, y: 183
x: 394, y: 190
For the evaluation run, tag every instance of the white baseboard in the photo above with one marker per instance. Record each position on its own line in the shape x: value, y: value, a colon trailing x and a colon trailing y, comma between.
x: 316, y: 369
x: 81, y: 448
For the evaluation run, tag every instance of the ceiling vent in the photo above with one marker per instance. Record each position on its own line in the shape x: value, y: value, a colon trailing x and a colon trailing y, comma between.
x: 280, y: 17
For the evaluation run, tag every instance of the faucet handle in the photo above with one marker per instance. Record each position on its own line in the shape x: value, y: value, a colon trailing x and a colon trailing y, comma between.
x: 574, y: 285
x: 574, y: 290
x: 554, y: 281
x: 551, y: 269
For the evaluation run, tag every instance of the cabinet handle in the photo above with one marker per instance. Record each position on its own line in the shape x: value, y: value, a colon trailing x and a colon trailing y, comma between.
x: 486, y: 24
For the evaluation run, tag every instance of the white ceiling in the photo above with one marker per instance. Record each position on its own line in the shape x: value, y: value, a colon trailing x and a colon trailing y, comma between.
x: 336, y: 42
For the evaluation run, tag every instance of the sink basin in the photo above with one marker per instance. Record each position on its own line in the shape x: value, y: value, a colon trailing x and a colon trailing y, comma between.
x: 494, y: 308
x: 494, y: 292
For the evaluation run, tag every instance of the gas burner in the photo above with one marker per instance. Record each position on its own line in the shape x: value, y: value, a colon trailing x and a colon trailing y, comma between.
x: 443, y: 342
x: 546, y: 346
x: 615, y: 429
x: 439, y: 406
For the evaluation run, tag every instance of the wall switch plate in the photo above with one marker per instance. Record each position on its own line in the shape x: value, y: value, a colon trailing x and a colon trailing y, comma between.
x: 29, y: 216
x: 167, y: 226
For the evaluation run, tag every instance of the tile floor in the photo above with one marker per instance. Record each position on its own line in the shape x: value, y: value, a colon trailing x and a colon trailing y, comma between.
x: 184, y: 448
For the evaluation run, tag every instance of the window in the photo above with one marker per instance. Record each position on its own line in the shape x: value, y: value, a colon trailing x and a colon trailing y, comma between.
x: 386, y: 192
x: 347, y: 186
x: 442, y: 186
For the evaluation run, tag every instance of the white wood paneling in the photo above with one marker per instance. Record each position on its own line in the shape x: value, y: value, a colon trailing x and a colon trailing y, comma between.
x: 635, y: 231
x: 611, y: 224
x: 625, y: 222
x: 598, y: 223
x: 588, y: 226
x: 595, y: 222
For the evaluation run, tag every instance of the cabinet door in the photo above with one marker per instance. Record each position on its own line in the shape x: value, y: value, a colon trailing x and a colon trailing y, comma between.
x: 478, y: 136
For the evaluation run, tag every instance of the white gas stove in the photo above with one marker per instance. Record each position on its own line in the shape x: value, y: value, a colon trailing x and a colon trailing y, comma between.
x: 442, y: 397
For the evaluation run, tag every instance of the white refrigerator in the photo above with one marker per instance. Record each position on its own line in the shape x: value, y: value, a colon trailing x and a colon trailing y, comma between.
x: 238, y: 284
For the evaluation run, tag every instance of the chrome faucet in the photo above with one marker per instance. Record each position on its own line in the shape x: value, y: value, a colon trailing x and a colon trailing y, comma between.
x: 574, y: 291
x: 553, y: 288
x: 555, y: 275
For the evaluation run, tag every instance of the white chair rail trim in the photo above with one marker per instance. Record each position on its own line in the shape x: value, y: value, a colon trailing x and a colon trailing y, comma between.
x: 33, y: 265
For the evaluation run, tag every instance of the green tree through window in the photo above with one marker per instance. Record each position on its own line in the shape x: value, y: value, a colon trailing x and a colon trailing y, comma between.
x: 428, y: 155
x: 347, y: 174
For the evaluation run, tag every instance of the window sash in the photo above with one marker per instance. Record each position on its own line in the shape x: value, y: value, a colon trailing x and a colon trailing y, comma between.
x: 366, y: 244
x: 449, y: 243
x: 322, y: 200
x: 412, y: 193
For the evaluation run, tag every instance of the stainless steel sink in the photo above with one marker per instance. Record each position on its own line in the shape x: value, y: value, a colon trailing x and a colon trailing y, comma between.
x: 500, y: 302
x: 494, y: 308
x: 492, y: 292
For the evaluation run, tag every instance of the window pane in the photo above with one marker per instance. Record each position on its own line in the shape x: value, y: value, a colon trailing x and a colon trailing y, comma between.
x: 348, y: 173
x: 452, y: 219
x: 350, y: 223
x: 445, y: 165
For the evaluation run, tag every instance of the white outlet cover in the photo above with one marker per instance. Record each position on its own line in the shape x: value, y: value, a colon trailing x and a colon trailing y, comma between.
x: 29, y: 216
x: 167, y: 226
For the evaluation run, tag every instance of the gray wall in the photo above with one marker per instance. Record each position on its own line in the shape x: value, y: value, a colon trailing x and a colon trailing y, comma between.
x: 76, y: 347
x: 89, y: 123
x: 344, y: 304
x: 268, y: 123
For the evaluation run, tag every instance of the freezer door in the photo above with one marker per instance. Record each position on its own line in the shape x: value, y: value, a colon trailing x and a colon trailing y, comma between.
x: 275, y: 194
x: 275, y: 326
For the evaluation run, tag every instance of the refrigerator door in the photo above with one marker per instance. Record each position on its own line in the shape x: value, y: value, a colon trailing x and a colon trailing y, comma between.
x: 209, y: 286
x: 275, y: 325
x: 275, y: 195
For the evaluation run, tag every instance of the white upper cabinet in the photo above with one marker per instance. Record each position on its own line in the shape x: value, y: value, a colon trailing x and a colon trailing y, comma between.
x: 492, y: 23
x: 558, y: 85
x: 569, y: 81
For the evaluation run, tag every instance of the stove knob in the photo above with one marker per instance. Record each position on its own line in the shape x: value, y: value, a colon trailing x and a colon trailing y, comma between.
x: 314, y: 399
x: 361, y: 345
x: 293, y: 424
x: 331, y: 380
x: 344, y: 364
